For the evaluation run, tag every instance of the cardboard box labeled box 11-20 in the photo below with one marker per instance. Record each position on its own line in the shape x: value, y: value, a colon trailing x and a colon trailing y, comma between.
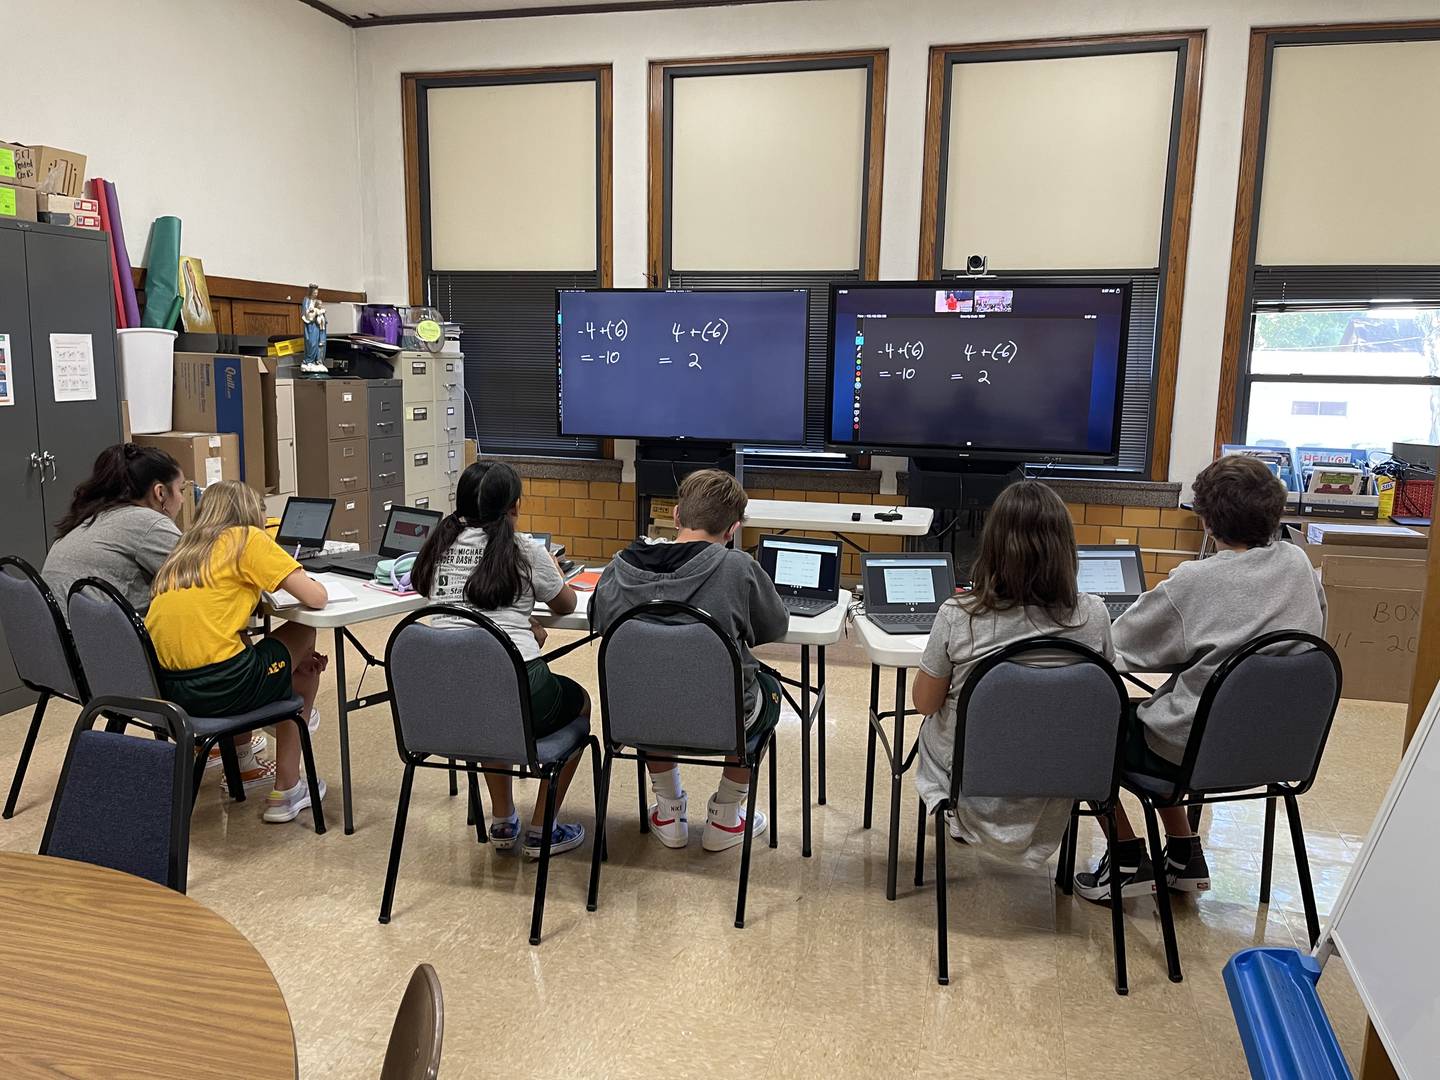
x: 206, y: 457
x: 219, y: 393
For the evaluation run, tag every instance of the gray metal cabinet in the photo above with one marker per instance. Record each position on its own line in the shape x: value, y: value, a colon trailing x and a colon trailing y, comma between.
x: 53, y: 280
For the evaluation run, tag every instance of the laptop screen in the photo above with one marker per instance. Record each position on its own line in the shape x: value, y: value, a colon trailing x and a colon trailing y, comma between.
x: 1111, y: 570
x: 304, y: 522
x: 406, y: 530
x: 802, y: 567
x: 918, y: 582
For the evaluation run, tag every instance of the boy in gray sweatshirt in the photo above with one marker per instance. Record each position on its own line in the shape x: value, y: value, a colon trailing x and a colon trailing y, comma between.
x: 1189, y: 625
x: 698, y: 569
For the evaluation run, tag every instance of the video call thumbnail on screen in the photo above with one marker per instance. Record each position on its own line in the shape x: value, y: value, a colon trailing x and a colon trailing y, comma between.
x: 1034, y: 368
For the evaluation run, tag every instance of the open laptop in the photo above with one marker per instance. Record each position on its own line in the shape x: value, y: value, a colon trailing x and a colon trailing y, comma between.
x: 806, y: 572
x: 406, y: 529
x: 903, y: 591
x: 567, y: 566
x: 303, y: 526
x: 1112, y: 572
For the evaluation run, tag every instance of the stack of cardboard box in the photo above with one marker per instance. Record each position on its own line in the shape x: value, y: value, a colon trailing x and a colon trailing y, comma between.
x: 29, y: 173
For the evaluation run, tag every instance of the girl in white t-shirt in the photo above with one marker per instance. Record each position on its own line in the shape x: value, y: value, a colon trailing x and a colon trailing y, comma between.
x: 477, y: 559
x: 1024, y: 587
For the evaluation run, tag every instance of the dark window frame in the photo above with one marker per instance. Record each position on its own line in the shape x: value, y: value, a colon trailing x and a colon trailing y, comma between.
x: 812, y: 453
x: 527, y: 328
x: 1169, y: 272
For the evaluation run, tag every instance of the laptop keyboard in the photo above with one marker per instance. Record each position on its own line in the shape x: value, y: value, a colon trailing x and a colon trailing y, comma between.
x: 1116, y: 608
x: 904, y: 623
x: 806, y: 605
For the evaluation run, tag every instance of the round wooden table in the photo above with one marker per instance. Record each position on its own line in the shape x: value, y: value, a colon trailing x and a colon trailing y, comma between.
x: 105, y: 974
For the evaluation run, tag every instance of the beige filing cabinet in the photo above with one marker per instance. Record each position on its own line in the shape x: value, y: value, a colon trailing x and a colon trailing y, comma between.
x: 434, y: 424
x: 349, y: 446
x: 285, y: 445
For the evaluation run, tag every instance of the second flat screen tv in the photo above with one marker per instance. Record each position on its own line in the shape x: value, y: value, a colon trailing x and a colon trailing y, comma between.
x: 1021, y: 368
x: 723, y: 366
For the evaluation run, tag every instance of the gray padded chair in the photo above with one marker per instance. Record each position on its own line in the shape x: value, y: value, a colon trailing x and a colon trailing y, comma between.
x: 1259, y: 733
x: 120, y: 661
x: 1042, y: 718
x: 41, y: 648
x: 672, y: 689
x: 459, y: 695
x: 124, y: 802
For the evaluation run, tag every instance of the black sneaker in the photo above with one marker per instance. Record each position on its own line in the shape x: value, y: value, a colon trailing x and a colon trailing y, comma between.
x: 1185, y: 867
x: 1137, y: 876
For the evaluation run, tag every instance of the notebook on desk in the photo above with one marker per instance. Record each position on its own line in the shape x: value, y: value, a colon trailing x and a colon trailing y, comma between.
x: 903, y: 591
x: 1113, y: 572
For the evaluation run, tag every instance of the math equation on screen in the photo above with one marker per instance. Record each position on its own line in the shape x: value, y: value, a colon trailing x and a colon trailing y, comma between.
x: 695, y: 343
x: 1005, y: 351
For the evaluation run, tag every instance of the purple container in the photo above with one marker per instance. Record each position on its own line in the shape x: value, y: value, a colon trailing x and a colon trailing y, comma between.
x: 382, y: 320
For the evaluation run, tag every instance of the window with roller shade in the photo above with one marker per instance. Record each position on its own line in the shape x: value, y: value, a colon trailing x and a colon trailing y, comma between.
x: 770, y: 179
x: 1061, y: 161
x: 507, y: 218
x: 1342, y: 334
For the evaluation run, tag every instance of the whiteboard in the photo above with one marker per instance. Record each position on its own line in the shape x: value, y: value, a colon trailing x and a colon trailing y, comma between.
x: 1386, y: 922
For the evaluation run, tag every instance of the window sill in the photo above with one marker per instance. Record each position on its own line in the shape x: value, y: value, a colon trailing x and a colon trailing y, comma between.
x: 604, y: 470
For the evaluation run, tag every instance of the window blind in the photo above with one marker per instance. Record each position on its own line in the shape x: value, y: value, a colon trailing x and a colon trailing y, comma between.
x: 507, y: 322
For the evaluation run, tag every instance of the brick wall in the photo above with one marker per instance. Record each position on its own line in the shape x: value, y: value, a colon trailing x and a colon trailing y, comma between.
x: 1167, y: 537
x: 596, y: 519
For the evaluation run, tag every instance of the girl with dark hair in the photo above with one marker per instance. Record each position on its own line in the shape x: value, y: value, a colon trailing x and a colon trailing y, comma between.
x: 121, y: 523
x: 1024, y: 587
x: 477, y: 559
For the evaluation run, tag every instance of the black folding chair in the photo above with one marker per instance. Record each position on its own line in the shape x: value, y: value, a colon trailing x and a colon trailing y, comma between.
x: 42, y: 649
x: 461, y: 695
x: 120, y: 661
x: 672, y: 689
x: 1260, y: 732
x: 124, y: 802
x: 1042, y: 718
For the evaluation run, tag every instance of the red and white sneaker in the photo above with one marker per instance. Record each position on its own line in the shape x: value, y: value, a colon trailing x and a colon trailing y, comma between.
x: 668, y: 821
x: 725, y: 825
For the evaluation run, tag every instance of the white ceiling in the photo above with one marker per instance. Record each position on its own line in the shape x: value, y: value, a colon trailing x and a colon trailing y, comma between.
x: 366, y: 8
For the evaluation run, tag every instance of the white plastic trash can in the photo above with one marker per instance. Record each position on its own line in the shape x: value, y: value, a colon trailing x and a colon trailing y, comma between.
x: 147, y: 377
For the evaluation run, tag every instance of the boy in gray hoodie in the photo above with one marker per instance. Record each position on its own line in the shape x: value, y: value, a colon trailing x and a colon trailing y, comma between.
x: 698, y: 569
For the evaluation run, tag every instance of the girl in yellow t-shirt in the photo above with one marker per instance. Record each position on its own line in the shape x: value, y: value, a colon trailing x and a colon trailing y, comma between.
x: 204, y: 595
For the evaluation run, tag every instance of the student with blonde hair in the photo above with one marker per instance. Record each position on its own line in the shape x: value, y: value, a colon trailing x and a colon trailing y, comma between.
x: 204, y: 595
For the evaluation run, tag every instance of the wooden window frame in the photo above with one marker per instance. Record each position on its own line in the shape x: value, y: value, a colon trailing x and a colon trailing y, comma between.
x: 1240, y: 293
x: 1180, y: 183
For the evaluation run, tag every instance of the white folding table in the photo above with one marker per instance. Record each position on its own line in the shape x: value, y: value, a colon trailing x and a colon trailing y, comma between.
x: 839, y: 519
x: 901, y: 652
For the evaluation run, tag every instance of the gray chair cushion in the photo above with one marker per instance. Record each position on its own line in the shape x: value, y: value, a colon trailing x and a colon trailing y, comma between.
x: 1042, y: 731
x: 560, y: 744
x: 277, y: 712
x: 30, y: 631
x: 671, y: 686
x: 1150, y: 785
x: 1267, y: 723
x: 117, y: 804
x: 456, y: 693
x: 115, y: 661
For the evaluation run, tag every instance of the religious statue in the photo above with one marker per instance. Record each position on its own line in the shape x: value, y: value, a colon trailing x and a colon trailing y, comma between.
x: 312, y: 315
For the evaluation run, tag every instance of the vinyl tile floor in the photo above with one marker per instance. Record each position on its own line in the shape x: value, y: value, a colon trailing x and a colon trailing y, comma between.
x: 827, y: 978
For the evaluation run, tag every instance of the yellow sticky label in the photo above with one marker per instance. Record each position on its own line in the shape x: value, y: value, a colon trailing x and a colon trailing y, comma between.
x: 7, y: 162
x: 7, y: 202
x: 428, y: 330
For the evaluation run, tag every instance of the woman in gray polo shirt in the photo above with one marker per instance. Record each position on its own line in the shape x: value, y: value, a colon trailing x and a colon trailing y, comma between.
x: 121, y: 523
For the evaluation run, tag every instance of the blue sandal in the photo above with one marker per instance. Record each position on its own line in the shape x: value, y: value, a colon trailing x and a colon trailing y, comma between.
x: 505, y: 832
x: 564, y: 838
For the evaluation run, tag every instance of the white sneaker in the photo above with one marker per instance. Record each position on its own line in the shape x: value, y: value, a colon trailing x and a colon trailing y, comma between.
x: 668, y: 821
x: 725, y: 825
x: 283, y: 806
x: 313, y: 721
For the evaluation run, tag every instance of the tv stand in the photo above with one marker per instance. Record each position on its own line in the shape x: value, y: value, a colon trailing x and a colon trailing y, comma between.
x: 960, y: 483
x: 660, y: 465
